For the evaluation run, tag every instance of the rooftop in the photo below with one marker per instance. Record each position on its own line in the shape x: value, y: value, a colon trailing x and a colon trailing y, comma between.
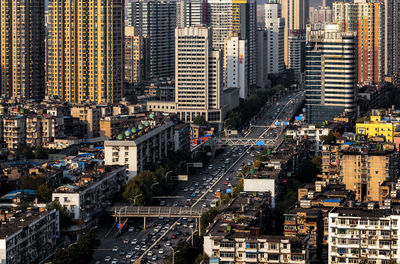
x: 15, y: 220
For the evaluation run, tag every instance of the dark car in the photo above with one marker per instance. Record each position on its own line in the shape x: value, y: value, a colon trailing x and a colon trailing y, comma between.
x: 173, y: 237
x: 122, y: 253
x: 178, y: 233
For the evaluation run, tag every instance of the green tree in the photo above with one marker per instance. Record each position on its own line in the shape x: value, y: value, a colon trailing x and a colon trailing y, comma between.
x: 31, y: 182
x: 201, y: 257
x: 329, y: 139
x: 200, y: 120
x: 207, y: 218
x: 79, y: 253
x: 66, y: 219
x: 40, y: 153
x: 44, y: 192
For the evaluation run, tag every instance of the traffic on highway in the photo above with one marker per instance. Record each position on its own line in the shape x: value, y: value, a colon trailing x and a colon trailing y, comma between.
x: 204, y: 188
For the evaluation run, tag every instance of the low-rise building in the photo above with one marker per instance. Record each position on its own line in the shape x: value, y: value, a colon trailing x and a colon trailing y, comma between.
x: 142, y: 146
x: 28, y: 236
x: 14, y: 131
x: 359, y: 234
x: 91, y: 192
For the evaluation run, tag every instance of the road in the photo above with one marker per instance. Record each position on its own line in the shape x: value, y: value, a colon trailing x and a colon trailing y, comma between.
x: 199, y: 191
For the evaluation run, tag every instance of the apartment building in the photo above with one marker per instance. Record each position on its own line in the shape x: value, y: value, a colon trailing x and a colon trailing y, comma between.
x: 85, y: 50
x: 52, y: 128
x: 363, y: 168
x: 358, y: 234
x: 198, y: 76
x: 275, y: 27
x: 90, y: 116
x: 376, y: 126
x: 296, y: 16
x: 236, y: 64
x: 14, y: 131
x: 330, y: 59
x: 136, y: 56
x: 28, y: 236
x: 140, y: 147
x: 367, y: 19
x: 33, y: 130
x: 191, y: 13
x: 156, y: 20
x: 91, y: 193
x: 22, y: 56
x: 311, y: 132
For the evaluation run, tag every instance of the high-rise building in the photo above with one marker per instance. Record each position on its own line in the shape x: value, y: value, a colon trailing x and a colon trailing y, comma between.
x: 198, y: 75
x: 392, y: 36
x: 22, y: 52
x: 296, y: 52
x: 330, y: 75
x: 367, y: 19
x: 275, y: 26
x: 191, y: 12
x: 236, y: 64
x: 262, y: 57
x: 295, y: 13
x: 227, y: 16
x: 136, y: 55
x: 86, y: 50
x: 156, y: 19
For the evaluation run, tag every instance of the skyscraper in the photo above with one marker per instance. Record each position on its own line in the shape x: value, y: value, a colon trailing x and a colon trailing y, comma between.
x: 275, y: 26
x: 367, y: 19
x: 198, y: 75
x: 191, y: 13
x: 136, y: 56
x: 236, y: 63
x: 330, y: 76
x: 392, y: 37
x: 86, y: 50
x: 22, y: 53
x: 227, y: 16
x: 295, y: 13
x: 156, y: 19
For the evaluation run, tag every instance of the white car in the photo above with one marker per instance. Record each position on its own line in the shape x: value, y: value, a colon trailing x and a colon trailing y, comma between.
x: 161, y: 251
x: 134, y: 241
x: 114, y: 261
x: 131, y: 229
x: 107, y: 259
x: 115, y: 249
x: 168, y: 243
x: 150, y: 253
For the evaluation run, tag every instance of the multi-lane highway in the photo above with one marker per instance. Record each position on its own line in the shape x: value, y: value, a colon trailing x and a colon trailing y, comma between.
x: 154, y: 243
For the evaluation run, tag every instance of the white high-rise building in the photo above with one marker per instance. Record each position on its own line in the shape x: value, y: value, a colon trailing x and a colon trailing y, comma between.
x: 275, y: 26
x: 236, y: 58
x: 198, y: 75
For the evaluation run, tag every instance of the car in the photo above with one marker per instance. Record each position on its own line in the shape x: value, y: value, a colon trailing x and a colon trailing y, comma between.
x: 168, y: 243
x: 178, y: 233
x: 173, y: 237
x: 226, y: 183
x: 126, y: 240
x: 143, y: 248
x: 129, y: 255
x: 193, y: 195
x: 133, y: 260
x: 107, y: 259
x: 131, y: 229
x: 164, y: 238
x: 186, y: 189
x: 161, y: 251
x: 137, y: 247
x: 115, y: 249
x: 150, y: 253
x: 134, y: 241
x: 204, y: 204
x: 229, y: 185
x: 204, y: 178
x: 114, y: 261
x: 154, y: 258
x: 122, y: 252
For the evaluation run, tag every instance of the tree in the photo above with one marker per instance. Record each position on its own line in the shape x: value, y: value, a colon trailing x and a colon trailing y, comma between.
x: 43, y: 193
x: 200, y: 120
x: 329, y: 139
x: 65, y: 215
x: 40, y: 153
x: 207, y: 218
x: 79, y: 253
x: 201, y: 257
x: 31, y: 182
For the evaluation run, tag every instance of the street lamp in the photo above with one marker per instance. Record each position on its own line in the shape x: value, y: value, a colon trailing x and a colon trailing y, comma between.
x: 166, y: 177
x: 180, y: 163
x: 191, y: 228
x: 154, y: 184
x: 173, y: 254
